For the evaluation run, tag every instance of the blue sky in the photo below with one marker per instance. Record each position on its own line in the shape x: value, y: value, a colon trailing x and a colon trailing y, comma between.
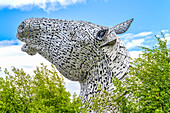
x: 149, y: 15
x: 150, y: 18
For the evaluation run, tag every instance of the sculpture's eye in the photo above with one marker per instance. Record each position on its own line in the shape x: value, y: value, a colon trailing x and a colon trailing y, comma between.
x: 101, y: 34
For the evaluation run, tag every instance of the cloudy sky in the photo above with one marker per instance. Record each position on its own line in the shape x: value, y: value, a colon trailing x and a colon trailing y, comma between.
x: 151, y: 17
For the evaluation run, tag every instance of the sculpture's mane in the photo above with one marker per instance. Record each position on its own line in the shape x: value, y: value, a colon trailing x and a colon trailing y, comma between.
x: 119, y: 59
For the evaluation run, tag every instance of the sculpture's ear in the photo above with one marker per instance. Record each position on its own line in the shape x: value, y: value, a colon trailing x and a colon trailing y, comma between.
x: 123, y: 27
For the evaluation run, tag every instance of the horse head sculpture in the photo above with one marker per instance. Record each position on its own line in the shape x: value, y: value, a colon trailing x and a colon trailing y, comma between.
x: 81, y: 51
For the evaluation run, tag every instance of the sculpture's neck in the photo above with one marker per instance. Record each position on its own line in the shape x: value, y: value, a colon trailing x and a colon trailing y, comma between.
x: 103, y: 71
x: 100, y: 74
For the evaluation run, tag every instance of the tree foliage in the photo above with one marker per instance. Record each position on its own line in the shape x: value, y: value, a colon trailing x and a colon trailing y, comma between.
x: 153, y: 71
x: 148, y: 88
x: 44, y: 92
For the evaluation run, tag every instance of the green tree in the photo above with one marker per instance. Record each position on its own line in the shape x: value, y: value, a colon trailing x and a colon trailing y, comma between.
x: 152, y: 69
x: 44, y: 92
x: 148, y: 88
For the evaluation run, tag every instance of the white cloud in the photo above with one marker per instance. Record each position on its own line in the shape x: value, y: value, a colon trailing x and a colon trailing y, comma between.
x: 8, y: 42
x: 46, y: 5
x: 163, y: 31
x: 135, y: 54
x: 134, y: 43
x: 131, y: 35
x: 13, y: 56
x: 142, y: 34
x: 127, y: 39
x: 148, y: 37
x: 127, y: 35
x: 133, y: 40
x: 167, y: 35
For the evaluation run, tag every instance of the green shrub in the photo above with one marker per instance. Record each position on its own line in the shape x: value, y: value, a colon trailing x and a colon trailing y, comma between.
x: 147, y: 91
x: 44, y: 92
